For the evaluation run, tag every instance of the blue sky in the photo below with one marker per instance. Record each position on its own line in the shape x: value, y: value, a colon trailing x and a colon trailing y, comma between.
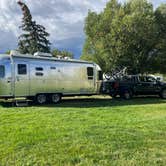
x: 63, y: 19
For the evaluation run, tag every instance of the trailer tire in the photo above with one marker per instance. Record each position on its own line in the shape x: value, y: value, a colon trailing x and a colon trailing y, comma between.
x: 56, y: 98
x: 41, y: 98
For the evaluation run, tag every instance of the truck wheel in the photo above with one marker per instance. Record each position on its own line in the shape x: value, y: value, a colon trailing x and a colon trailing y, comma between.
x: 41, y: 99
x: 127, y: 95
x: 163, y: 94
x: 56, y: 98
x: 114, y: 96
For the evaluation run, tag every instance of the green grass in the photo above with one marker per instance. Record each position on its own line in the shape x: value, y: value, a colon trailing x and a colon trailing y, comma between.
x: 85, y: 132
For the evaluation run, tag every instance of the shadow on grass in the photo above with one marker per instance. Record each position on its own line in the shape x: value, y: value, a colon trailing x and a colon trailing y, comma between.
x: 96, y: 102
x: 107, y: 102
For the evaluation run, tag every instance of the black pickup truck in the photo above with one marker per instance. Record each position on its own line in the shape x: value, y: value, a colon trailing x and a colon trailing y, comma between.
x: 133, y: 85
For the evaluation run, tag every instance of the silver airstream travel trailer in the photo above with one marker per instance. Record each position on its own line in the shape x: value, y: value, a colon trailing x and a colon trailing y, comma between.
x: 43, y: 77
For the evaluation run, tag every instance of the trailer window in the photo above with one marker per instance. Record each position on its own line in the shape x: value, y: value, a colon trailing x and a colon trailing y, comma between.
x: 53, y: 68
x: 22, y: 69
x: 100, y: 75
x: 39, y: 68
x: 90, y: 73
x: 2, y: 71
x: 39, y: 74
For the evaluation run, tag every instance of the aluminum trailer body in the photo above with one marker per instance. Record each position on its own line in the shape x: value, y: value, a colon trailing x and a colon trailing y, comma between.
x: 29, y: 75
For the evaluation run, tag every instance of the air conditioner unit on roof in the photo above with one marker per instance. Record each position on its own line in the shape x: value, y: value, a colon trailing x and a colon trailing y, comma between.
x: 42, y: 54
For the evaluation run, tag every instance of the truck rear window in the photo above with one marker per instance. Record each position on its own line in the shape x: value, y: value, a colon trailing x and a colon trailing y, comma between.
x: 2, y: 71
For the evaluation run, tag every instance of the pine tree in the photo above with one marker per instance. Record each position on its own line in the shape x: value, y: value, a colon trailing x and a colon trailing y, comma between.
x: 35, y: 37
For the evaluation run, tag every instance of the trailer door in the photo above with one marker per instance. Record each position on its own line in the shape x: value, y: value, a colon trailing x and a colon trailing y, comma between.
x: 5, y: 80
x: 91, y: 82
x: 22, y: 79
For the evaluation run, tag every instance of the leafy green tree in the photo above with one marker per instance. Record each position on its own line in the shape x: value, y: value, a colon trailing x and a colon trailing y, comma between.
x: 98, y: 27
x: 35, y: 37
x: 138, y: 37
x: 160, y: 15
x: 63, y: 54
x: 126, y: 36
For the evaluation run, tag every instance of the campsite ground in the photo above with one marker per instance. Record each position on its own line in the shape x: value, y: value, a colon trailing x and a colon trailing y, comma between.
x: 92, y: 131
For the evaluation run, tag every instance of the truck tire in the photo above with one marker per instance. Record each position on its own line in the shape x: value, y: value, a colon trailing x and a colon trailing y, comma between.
x: 127, y: 95
x: 41, y: 98
x: 114, y: 96
x: 163, y: 94
x: 56, y: 98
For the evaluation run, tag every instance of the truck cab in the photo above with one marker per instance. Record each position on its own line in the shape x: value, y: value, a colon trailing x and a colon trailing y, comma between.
x: 147, y: 85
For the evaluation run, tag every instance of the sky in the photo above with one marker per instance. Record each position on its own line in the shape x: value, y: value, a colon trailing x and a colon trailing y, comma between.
x: 63, y: 19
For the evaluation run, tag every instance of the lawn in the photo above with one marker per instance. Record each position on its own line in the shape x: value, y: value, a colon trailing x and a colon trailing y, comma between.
x: 86, y: 132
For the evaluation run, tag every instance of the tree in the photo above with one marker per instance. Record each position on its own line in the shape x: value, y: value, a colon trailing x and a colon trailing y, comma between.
x: 139, y: 33
x: 64, y: 53
x: 100, y: 46
x: 35, y: 37
x: 125, y: 36
x: 160, y: 15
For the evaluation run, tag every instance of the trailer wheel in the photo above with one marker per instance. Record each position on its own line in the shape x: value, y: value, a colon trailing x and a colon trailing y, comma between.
x: 41, y: 99
x: 56, y: 98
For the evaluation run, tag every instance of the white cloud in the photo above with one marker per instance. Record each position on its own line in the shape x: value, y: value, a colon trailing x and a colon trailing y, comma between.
x: 63, y: 19
x: 157, y: 2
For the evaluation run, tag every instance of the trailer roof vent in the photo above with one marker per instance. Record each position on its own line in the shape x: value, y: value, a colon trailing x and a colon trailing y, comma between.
x: 67, y: 58
x: 59, y: 56
x: 42, y: 54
